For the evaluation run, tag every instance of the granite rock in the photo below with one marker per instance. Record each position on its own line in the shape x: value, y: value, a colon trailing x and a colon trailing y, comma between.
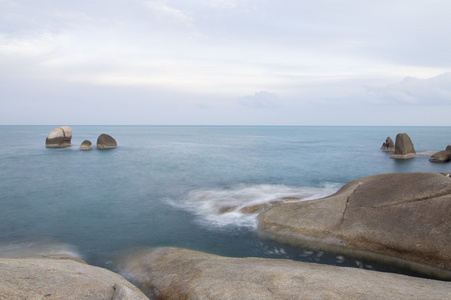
x: 86, y: 145
x: 388, y: 145
x: 62, y: 279
x: 402, y: 218
x: 441, y: 156
x: 59, y: 137
x: 171, y: 273
x: 403, y: 147
x: 105, y: 141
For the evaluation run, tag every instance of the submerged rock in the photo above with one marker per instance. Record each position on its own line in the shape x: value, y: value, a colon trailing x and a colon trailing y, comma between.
x: 389, y: 216
x: 171, y: 273
x: 86, y: 145
x: 403, y: 147
x: 62, y: 279
x: 441, y: 156
x: 388, y: 145
x: 59, y: 137
x: 105, y: 141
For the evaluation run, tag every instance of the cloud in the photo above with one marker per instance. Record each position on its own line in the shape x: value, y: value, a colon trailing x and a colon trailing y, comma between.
x: 164, y: 12
x: 261, y: 100
x: 411, y: 90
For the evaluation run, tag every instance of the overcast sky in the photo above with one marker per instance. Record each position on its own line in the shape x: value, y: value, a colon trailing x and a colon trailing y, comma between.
x: 225, y: 62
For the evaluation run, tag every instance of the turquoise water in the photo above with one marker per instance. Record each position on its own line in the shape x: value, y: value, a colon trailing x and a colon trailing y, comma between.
x: 163, y: 185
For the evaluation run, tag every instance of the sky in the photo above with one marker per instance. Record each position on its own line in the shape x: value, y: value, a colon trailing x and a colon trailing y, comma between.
x: 225, y: 62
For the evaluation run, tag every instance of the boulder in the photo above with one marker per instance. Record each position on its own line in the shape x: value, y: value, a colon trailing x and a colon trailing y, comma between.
x: 86, y: 145
x: 441, y: 156
x: 448, y: 148
x: 388, y: 145
x: 61, y: 279
x: 171, y: 273
x: 400, y: 217
x: 59, y: 137
x: 403, y: 147
x: 105, y: 141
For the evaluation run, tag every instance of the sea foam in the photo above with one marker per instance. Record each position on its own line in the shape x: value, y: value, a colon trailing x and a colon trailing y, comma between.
x: 240, y: 204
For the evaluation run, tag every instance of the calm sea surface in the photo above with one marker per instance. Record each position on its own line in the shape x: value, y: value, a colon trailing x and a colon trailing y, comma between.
x: 164, y: 186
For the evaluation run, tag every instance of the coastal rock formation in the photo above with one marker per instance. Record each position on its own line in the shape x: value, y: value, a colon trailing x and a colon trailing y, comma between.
x: 403, y: 147
x: 388, y: 145
x: 448, y: 148
x: 171, y: 273
x: 62, y: 279
x: 105, y: 141
x: 86, y: 145
x: 401, y: 216
x: 441, y: 156
x: 59, y: 137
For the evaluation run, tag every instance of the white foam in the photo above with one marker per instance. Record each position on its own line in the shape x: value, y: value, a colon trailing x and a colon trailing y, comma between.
x: 221, y: 207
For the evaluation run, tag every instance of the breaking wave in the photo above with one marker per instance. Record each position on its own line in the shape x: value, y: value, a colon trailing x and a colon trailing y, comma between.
x: 239, y: 205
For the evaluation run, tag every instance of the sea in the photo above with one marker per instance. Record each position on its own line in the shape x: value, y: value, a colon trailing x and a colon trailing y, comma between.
x: 183, y: 186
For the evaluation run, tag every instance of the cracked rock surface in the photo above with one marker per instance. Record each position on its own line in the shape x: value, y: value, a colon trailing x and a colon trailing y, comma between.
x: 402, y: 215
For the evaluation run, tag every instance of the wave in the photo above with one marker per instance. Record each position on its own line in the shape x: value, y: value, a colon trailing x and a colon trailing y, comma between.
x: 239, y: 205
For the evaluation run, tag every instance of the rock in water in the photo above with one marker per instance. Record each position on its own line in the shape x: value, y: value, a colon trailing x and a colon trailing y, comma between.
x: 388, y: 145
x: 441, y: 156
x: 105, y: 141
x: 62, y: 279
x: 171, y: 273
x: 403, y: 147
x: 86, y: 145
x: 59, y: 137
x: 402, y: 216
x: 448, y: 148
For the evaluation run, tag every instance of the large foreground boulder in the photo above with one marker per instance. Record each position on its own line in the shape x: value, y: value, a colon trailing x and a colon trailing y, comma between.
x: 62, y: 279
x: 105, y: 141
x: 59, y: 137
x: 403, y: 147
x: 171, y: 273
x: 403, y: 216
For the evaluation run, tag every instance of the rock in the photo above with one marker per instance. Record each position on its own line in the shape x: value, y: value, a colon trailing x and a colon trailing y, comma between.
x: 388, y: 145
x: 448, y: 148
x: 59, y: 137
x: 86, y: 145
x: 441, y: 156
x: 61, y: 279
x: 403, y: 147
x: 401, y: 218
x: 171, y: 273
x: 105, y: 141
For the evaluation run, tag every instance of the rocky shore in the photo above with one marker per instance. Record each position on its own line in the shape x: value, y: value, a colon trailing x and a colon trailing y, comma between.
x: 62, y: 279
x: 400, y: 218
x: 171, y: 273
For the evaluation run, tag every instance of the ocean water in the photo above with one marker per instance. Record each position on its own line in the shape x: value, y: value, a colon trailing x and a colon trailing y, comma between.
x: 183, y: 186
